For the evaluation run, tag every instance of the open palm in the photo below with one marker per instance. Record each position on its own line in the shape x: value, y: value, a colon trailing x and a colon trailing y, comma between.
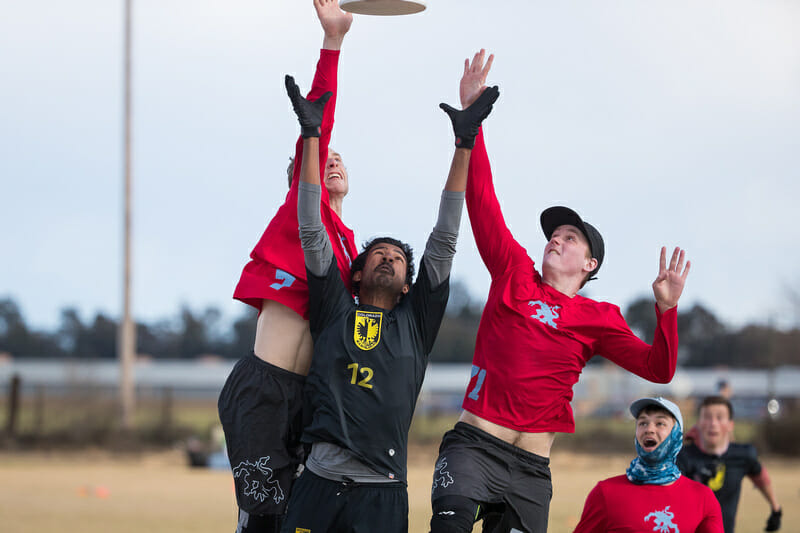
x: 671, y: 279
x: 473, y: 81
x: 334, y: 21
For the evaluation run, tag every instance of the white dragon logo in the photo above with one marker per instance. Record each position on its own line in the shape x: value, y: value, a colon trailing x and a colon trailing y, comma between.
x: 663, y: 521
x: 545, y: 313
x: 441, y: 477
x: 258, y: 481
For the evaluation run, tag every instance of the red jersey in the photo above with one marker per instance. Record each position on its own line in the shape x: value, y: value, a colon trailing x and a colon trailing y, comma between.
x: 533, y: 341
x: 618, y: 505
x: 279, y: 245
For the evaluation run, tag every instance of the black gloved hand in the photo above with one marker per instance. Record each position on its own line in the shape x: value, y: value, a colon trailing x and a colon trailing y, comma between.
x: 774, y: 520
x: 467, y: 122
x: 309, y: 114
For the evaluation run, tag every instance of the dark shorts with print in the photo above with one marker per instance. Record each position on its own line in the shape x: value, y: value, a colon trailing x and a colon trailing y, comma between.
x: 319, y: 504
x: 513, y: 484
x: 260, y: 410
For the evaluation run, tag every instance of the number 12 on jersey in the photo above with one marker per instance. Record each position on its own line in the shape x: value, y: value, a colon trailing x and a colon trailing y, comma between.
x: 481, y: 373
x: 366, y: 372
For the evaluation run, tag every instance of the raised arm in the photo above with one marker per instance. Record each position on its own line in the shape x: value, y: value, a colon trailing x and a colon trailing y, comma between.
x: 313, y: 236
x: 654, y: 362
x: 441, y: 245
x: 335, y: 25
x: 429, y: 297
x: 495, y: 243
x: 658, y: 361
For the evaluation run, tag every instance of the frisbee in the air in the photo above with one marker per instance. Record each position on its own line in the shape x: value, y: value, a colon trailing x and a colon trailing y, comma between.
x: 383, y: 7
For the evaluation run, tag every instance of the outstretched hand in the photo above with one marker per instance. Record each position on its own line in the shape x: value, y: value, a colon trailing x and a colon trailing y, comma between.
x: 467, y: 122
x: 334, y: 21
x: 309, y: 113
x: 669, y: 283
x: 473, y: 81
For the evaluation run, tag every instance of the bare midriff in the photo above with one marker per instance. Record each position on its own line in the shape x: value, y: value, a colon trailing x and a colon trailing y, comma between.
x: 538, y: 443
x: 283, y: 338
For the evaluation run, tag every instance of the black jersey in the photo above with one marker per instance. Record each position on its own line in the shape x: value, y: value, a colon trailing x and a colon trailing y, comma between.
x: 368, y: 368
x: 722, y: 473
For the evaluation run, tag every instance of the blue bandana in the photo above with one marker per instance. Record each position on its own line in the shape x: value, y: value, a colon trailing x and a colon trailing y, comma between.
x: 657, y: 467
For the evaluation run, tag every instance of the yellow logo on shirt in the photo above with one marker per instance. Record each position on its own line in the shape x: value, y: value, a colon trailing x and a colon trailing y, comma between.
x: 716, y: 482
x: 367, y: 331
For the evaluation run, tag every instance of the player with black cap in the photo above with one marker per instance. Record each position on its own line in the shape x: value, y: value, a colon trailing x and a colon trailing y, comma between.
x: 535, y: 336
x: 652, y: 495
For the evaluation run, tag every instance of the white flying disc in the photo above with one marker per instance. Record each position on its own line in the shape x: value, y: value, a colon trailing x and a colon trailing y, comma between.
x: 383, y: 7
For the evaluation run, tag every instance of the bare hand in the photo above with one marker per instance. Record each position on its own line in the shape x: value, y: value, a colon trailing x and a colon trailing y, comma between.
x: 668, y: 286
x: 473, y: 81
x: 335, y: 22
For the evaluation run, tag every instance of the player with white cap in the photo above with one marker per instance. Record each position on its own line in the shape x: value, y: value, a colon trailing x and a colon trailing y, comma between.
x: 652, y: 495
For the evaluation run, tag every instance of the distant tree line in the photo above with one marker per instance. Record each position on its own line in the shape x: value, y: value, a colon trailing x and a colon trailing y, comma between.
x: 704, y: 340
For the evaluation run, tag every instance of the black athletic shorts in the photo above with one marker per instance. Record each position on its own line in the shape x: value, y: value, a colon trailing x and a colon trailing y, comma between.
x: 321, y: 505
x: 260, y: 410
x: 497, y: 475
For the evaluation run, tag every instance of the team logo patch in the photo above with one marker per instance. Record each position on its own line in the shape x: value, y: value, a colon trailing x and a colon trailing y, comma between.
x: 367, y: 331
x: 546, y: 314
x: 716, y: 482
x: 663, y: 521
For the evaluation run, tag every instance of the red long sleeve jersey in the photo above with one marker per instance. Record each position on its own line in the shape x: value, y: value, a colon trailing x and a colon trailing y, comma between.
x: 534, y: 341
x: 617, y: 505
x: 280, y: 243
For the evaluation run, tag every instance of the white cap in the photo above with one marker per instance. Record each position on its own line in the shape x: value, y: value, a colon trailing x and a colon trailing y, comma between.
x: 641, y: 403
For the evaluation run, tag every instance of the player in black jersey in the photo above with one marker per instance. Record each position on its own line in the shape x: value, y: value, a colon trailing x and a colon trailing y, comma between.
x: 721, y: 464
x: 369, y: 356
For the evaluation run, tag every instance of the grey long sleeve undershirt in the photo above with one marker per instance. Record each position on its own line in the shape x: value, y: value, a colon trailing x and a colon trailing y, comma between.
x: 439, y: 250
x: 327, y: 459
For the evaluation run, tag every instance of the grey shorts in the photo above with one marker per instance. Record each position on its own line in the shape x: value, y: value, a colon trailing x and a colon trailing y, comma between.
x: 497, y: 475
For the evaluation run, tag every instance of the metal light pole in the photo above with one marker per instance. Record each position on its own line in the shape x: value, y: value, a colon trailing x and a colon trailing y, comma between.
x: 126, y: 339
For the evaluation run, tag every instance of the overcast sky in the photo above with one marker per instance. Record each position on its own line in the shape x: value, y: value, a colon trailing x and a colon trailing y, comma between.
x: 672, y: 123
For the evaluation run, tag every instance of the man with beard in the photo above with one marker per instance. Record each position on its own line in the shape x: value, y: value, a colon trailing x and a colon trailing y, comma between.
x: 369, y: 357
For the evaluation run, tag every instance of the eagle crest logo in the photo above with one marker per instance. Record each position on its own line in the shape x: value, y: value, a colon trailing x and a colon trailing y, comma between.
x: 367, y: 331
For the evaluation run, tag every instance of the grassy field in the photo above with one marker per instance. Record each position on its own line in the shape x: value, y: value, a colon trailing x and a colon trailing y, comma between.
x: 94, y: 492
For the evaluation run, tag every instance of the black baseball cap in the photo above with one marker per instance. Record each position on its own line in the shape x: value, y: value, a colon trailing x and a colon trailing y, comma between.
x: 553, y: 217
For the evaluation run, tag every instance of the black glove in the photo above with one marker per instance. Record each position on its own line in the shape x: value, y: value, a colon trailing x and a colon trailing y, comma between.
x: 774, y: 520
x: 467, y: 122
x: 308, y: 113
